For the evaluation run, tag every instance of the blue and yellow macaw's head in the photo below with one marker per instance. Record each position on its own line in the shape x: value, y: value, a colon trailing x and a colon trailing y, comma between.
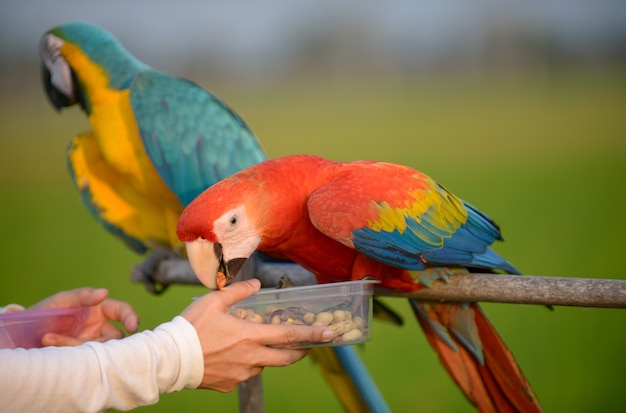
x: 78, y: 57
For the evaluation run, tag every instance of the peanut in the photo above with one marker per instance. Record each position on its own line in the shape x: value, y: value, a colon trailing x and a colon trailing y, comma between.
x: 255, y: 318
x: 323, y: 319
x: 240, y: 313
x: 346, y: 326
x: 309, y: 318
x: 339, y: 315
x: 341, y: 327
x: 352, y: 335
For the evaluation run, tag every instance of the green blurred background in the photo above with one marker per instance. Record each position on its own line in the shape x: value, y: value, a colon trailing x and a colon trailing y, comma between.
x: 531, y: 132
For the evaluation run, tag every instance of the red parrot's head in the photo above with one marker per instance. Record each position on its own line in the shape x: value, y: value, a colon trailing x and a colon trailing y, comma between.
x: 219, y: 229
x: 257, y: 208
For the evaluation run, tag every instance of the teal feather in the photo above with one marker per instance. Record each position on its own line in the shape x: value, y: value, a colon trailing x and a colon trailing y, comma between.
x: 440, y: 329
x: 463, y: 327
x: 104, y: 50
x: 193, y: 138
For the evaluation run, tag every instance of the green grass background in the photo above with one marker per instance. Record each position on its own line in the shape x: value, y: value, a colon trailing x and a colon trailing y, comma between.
x: 544, y: 154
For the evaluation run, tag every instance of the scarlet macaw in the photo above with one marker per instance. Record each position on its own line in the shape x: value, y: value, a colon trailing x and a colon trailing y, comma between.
x: 348, y: 221
x: 157, y: 142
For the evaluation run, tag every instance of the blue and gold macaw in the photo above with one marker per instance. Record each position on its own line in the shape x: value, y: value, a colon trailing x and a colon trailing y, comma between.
x: 157, y: 142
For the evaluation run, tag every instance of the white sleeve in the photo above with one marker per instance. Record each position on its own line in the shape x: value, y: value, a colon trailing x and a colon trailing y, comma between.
x: 118, y: 374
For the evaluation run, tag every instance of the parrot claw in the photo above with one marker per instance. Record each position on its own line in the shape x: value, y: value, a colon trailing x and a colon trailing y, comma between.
x: 153, y: 286
x: 145, y: 272
x: 285, y: 282
x: 427, y: 276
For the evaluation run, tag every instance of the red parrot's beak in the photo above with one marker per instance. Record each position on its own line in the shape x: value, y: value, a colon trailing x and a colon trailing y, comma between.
x: 207, y: 261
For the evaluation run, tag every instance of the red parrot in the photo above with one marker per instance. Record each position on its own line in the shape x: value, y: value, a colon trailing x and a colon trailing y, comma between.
x: 347, y: 221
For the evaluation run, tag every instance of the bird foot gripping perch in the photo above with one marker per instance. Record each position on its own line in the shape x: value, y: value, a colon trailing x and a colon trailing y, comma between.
x: 428, y: 275
x: 144, y: 271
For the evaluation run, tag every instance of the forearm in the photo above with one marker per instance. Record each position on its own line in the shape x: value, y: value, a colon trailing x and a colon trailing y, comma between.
x: 118, y: 374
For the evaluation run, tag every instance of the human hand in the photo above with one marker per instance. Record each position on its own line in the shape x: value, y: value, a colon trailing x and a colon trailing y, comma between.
x: 235, y: 349
x: 102, y: 311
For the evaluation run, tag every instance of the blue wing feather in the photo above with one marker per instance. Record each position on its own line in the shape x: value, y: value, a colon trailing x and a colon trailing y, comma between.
x: 193, y: 138
x: 469, y: 245
x: 481, y: 225
x: 423, y: 238
x: 384, y: 247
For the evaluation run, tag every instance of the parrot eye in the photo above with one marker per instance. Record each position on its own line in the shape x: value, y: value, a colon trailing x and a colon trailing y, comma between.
x: 230, y: 222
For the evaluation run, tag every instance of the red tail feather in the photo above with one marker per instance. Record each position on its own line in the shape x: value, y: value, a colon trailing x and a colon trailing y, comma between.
x: 498, y: 385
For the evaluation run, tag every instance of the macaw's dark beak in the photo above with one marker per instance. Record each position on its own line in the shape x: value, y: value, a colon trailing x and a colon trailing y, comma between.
x: 56, y: 97
x: 226, y: 271
x: 59, y: 79
x: 230, y: 270
x: 207, y: 261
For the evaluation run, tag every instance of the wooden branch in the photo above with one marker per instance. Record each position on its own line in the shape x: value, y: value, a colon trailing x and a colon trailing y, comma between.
x: 541, y: 290
x: 555, y: 291
x: 164, y: 268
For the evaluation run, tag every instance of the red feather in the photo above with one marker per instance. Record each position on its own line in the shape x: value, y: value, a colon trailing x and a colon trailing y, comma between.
x: 496, y: 386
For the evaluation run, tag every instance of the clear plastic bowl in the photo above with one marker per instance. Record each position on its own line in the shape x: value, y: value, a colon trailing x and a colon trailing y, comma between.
x: 346, y: 307
x: 26, y: 328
